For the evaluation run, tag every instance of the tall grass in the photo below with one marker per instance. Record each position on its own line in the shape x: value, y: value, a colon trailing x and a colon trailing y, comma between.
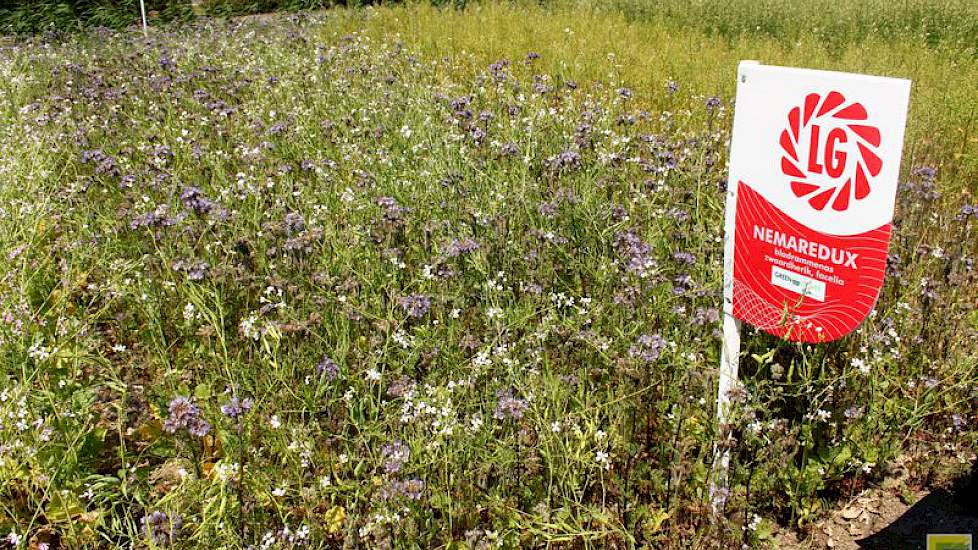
x: 418, y: 277
x: 943, y: 24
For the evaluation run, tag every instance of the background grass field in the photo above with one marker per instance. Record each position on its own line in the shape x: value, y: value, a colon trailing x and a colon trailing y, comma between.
x: 412, y: 276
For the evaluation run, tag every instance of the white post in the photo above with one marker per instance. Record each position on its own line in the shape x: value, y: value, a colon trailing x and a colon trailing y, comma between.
x: 730, y: 347
x: 142, y: 10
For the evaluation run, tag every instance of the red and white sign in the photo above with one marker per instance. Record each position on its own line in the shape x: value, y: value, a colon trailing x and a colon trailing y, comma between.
x: 814, y: 162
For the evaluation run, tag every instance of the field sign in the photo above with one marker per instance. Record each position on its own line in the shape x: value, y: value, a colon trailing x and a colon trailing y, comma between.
x: 814, y: 161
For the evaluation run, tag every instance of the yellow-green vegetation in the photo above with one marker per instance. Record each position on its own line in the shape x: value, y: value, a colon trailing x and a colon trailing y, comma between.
x: 418, y: 277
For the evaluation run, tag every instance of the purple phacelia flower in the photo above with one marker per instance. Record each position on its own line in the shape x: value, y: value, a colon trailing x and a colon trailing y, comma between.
x: 395, y: 455
x: 328, y: 367
x: 416, y: 305
x: 410, y: 489
x: 706, y: 316
x: 196, y: 271
x: 184, y: 414
x: 194, y: 199
x: 477, y: 135
x: 565, y: 160
x: 294, y: 223
x: 236, y: 408
x: 160, y: 527
x: 636, y: 253
x: 509, y: 149
x: 684, y: 257
x: 509, y: 406
x: 459, y: 247
x: 277, y: 129
x: 648, y: 348
x: 166, y: 63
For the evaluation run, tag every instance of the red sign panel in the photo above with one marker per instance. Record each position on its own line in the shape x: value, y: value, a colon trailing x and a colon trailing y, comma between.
x: 814, y: 163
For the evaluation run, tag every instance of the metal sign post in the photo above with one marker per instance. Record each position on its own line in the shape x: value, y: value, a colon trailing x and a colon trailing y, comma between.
x: 730, y: 347
x: 142, y: 10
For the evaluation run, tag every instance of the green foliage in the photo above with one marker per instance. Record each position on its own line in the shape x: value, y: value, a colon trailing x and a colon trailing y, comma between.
x: 418, y: 300
x: 946, y: 24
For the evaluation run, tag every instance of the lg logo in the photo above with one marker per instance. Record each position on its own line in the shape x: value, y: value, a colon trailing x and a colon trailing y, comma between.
x: 829, y: 151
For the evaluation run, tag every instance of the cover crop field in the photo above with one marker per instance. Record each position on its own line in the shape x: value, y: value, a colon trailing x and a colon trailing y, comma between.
x: 415, y: 277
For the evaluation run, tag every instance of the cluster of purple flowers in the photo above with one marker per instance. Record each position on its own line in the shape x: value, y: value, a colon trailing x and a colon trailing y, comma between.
x: 499, y: 70
x: 104, y: 164
x: 460, y: 107
x: 157, y: 218
x: 304, y: 241
x: 395, y: 455
x: 195, y: 270
x: 684, y: 257
x: 460, y: 247
x: 410, y: 489
x: 236, y: 408
x: 194, y: 199
x: 922, y: 184
x: 636, y: 253
x: 682, y: 284
x: 648, y: 348
x: 416, y: 305
x: 294, y: 223
x: 509, y: 406
x: 706, y: 316
x: 564, y: 161
x: 184, y: 414
x: 967, y: 211
x: 328, y: 367
x: 393, y: 211
x: 401, y: 386
x: 509, y: 149
x: 162, y: 528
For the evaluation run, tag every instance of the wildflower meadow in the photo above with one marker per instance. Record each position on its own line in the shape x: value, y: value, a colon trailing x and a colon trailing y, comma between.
x: 424, y: 277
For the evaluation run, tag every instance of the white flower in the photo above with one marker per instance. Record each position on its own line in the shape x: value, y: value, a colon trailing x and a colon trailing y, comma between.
x: 861, y: 365
x: 373, y: 374
x: 275, y: 422
x: 603, y: 459
x: 555, y: 427
x: 278, y: 492
x: 190, y: 312
x: 13, y: 538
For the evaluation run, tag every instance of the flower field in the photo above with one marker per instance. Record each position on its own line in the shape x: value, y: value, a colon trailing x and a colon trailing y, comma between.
x: 412, y: 277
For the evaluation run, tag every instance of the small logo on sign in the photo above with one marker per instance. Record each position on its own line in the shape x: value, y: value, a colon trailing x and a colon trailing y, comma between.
x: 829, y: 151
x: 948, y: 542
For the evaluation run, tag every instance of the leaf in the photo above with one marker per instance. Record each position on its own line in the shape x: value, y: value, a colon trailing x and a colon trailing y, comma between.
x: 655, y: 520
x: 203, y: 391
x: 63, y: 507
